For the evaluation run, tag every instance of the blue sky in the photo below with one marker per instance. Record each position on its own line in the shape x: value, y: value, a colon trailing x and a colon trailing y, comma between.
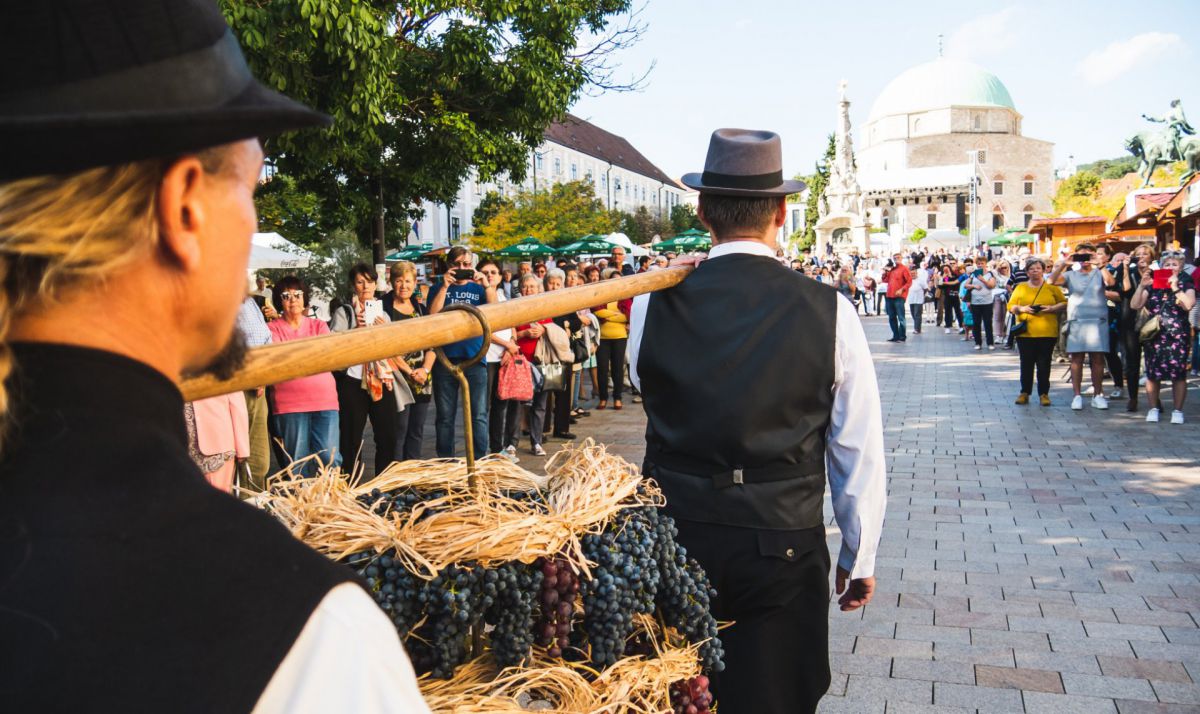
x: 1081, y: 73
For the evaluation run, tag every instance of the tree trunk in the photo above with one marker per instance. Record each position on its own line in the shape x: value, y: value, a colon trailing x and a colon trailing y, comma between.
x: 377, y: 247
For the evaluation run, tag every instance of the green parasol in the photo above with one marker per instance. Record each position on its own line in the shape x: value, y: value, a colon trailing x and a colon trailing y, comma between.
x: 587, y: 245
x: 412, y: 252
x: 529, y: 247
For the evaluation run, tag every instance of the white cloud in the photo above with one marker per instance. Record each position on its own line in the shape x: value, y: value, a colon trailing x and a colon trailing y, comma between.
x: 1105, y: 65
x: 986, y: 35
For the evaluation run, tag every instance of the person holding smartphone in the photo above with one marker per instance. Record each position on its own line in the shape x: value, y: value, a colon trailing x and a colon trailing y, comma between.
x: 982, y: 284
x: 365, y: 391
x: 1087, y: 319
x: 1134, y: 267
x: 461, y: 284
x: 1168, y: 296
x: 1037, y: 305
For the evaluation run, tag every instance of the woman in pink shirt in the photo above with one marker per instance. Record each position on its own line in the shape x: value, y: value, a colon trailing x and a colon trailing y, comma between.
x: 304, y: 412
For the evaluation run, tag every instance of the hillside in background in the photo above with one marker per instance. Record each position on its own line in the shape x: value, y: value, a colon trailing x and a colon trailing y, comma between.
x: 1111, y: 168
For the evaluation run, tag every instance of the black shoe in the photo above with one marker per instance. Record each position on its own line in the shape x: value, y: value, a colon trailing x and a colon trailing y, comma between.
x: 902, y: 339
x: 574, y: 420
x: 568, y: 436
x: 893, y: 339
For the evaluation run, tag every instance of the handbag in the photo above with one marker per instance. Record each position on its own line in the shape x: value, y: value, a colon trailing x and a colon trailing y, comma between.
x: 515, y: 380
x: 1022, y: 326
x: 554, y: 378
x: 1148, y: 326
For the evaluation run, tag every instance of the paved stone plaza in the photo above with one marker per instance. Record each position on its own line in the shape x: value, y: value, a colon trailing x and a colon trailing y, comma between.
x: 1033, y: 560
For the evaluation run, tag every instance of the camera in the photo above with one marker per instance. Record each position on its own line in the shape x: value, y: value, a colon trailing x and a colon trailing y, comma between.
x: 1036, y: 308
x: 464, y: 274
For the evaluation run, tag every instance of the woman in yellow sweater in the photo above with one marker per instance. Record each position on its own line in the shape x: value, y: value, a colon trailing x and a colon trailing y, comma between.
x: 1036, y: 304
x: 610, y: 357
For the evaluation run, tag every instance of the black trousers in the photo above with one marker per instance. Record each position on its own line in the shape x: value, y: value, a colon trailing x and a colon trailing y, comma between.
x: 1036, y: 353
x: 777, y: 650
x: 561, y: 413
x: 502, y: 414
x: 1115, y: 367
x: 952, y: 309
x: 1133, y: 352
x: 610, y: 359
x: 354, y: 407
x: 981, y: 315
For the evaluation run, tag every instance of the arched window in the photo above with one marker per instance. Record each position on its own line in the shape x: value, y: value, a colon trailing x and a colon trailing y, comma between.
x: 1027, y: 214
x: 998, y: 185
x: 886, y: 219
x: 1028, y: 185
x: 997, y: 217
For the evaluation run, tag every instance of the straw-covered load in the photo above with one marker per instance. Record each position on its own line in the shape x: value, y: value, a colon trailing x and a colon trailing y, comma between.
x: 509, y: 588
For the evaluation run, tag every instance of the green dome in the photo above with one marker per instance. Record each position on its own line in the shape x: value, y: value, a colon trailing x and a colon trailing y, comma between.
x: 939, y: 84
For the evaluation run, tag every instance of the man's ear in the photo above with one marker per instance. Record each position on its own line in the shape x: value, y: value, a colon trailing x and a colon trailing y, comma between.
x: 180, y: 213
x: 781, y: 212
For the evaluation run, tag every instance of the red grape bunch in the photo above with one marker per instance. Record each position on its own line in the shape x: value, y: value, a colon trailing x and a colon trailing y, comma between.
x: 560, y: 586
x: 691, y: 696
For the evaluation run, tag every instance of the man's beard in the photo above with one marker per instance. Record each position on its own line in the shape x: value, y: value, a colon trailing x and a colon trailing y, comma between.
x: 228, y: 361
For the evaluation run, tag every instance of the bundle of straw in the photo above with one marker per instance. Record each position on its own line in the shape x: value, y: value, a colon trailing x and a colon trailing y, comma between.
x: 584, y: 489
x: 634, y: 685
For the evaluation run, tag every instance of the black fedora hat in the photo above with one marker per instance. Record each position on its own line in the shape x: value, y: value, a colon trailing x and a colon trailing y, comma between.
x: 87, y: 83
x: 743, y: 162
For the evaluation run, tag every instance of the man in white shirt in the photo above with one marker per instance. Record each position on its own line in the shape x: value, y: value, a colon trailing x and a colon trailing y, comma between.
x: 759, y: 385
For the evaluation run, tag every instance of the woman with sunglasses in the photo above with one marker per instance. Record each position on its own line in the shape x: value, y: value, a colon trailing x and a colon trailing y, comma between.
x: 304, y: 411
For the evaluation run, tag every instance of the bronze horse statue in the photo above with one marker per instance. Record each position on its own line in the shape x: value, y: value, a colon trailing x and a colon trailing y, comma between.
x: 1153, y: 148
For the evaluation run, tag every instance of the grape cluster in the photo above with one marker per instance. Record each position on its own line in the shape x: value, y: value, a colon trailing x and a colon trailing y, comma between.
x: 394, y: 588
x: 559, y: 587
x: 683, y: 602
x: 623, y: 584
x: 401, y: 500
x: 691, y: 696
x: 515, y: 606
x: 453, y: 602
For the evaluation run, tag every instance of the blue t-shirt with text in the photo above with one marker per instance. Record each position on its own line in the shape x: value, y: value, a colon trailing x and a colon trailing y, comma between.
x: 472, y: 294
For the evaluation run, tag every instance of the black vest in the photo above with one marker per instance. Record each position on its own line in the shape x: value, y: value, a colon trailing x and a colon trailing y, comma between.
x: 737, y: 368
x: 127, y: 582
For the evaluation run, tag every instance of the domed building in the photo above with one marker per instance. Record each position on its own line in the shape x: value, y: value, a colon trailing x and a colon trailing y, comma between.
x: 933, y: 128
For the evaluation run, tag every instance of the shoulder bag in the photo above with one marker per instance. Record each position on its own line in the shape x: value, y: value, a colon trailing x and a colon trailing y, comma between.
x: 1022, y: 326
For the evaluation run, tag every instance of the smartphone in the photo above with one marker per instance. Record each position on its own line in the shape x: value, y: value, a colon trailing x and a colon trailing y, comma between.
x: 1162, y: 279
x: 1036, y: 308
x: 372, y: 309
x: 464, y: 274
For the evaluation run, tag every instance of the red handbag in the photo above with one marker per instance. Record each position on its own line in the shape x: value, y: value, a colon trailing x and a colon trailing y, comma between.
x: 515, y: 380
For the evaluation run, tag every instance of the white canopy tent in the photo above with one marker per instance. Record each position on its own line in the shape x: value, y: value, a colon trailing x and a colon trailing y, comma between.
x: 271, y: 250
x: 623, y: 240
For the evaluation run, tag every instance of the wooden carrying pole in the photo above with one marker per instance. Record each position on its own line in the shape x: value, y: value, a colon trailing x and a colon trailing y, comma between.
x: 276, y: 363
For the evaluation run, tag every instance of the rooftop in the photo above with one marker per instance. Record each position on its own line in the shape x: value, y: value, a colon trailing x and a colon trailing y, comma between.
x: 587, y: 138
x: 942, y: 83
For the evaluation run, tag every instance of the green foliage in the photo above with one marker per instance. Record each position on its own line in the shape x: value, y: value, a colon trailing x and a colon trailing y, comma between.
x: 918, y: 235
x: 1111, y: 168
x: 801, y: 240
x: 286, y: 209
x: 1081, y: 193
x: 816, y: 187
x: 1083, y: 183
x: 565, y: 213
x: 490, y: 205
x: 332, y: 259
x: 420, y: 93
x: 641, y: 226
x: 683, y: 217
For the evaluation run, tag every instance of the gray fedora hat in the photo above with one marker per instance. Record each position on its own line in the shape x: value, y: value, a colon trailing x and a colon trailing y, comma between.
x: 743, y: 162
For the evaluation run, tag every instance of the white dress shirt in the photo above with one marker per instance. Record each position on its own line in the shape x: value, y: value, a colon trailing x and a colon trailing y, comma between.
x: 347, y: 658
x: 854, y: 443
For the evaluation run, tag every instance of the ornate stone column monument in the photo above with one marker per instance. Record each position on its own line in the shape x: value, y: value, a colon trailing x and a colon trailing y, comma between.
x: 842, y: 216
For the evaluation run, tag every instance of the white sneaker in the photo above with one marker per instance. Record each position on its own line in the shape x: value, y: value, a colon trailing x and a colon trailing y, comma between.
x: 947, y: 330
x: 1116, y: 394
x: 511, y: 450
x: 1152, y: 415
x: 1099, y: 402
x: 1077, y: 402
x: 538, y: 450
x: 1089, y: 391
x: 1176, y: 417
x: 977, y: 347
x: 991, y: 347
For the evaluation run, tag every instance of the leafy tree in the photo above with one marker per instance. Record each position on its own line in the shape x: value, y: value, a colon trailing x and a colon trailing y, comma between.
x: 816, y: 189
x: 683, y: 217
x: 566, y: 212
x: 1111, y: 168
x: 421, y: 93
x: 641, y: 226
x: 490, y: 205
x: 286, y: 209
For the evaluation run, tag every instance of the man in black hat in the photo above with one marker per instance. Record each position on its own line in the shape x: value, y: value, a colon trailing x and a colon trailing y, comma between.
x: 759, y: 386
x: 129, y: 156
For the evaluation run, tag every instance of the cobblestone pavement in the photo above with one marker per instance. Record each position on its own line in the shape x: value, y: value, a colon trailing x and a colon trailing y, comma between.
x: 1033, y: 559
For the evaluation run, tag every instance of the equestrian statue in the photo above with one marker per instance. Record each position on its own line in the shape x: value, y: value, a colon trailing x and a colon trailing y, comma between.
x: 1177, y: 141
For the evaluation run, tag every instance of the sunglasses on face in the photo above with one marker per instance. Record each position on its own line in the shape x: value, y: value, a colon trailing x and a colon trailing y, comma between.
x: 292, y: 295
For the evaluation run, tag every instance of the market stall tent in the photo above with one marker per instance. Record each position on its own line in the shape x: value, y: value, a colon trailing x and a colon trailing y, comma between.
x: 272, y: 251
